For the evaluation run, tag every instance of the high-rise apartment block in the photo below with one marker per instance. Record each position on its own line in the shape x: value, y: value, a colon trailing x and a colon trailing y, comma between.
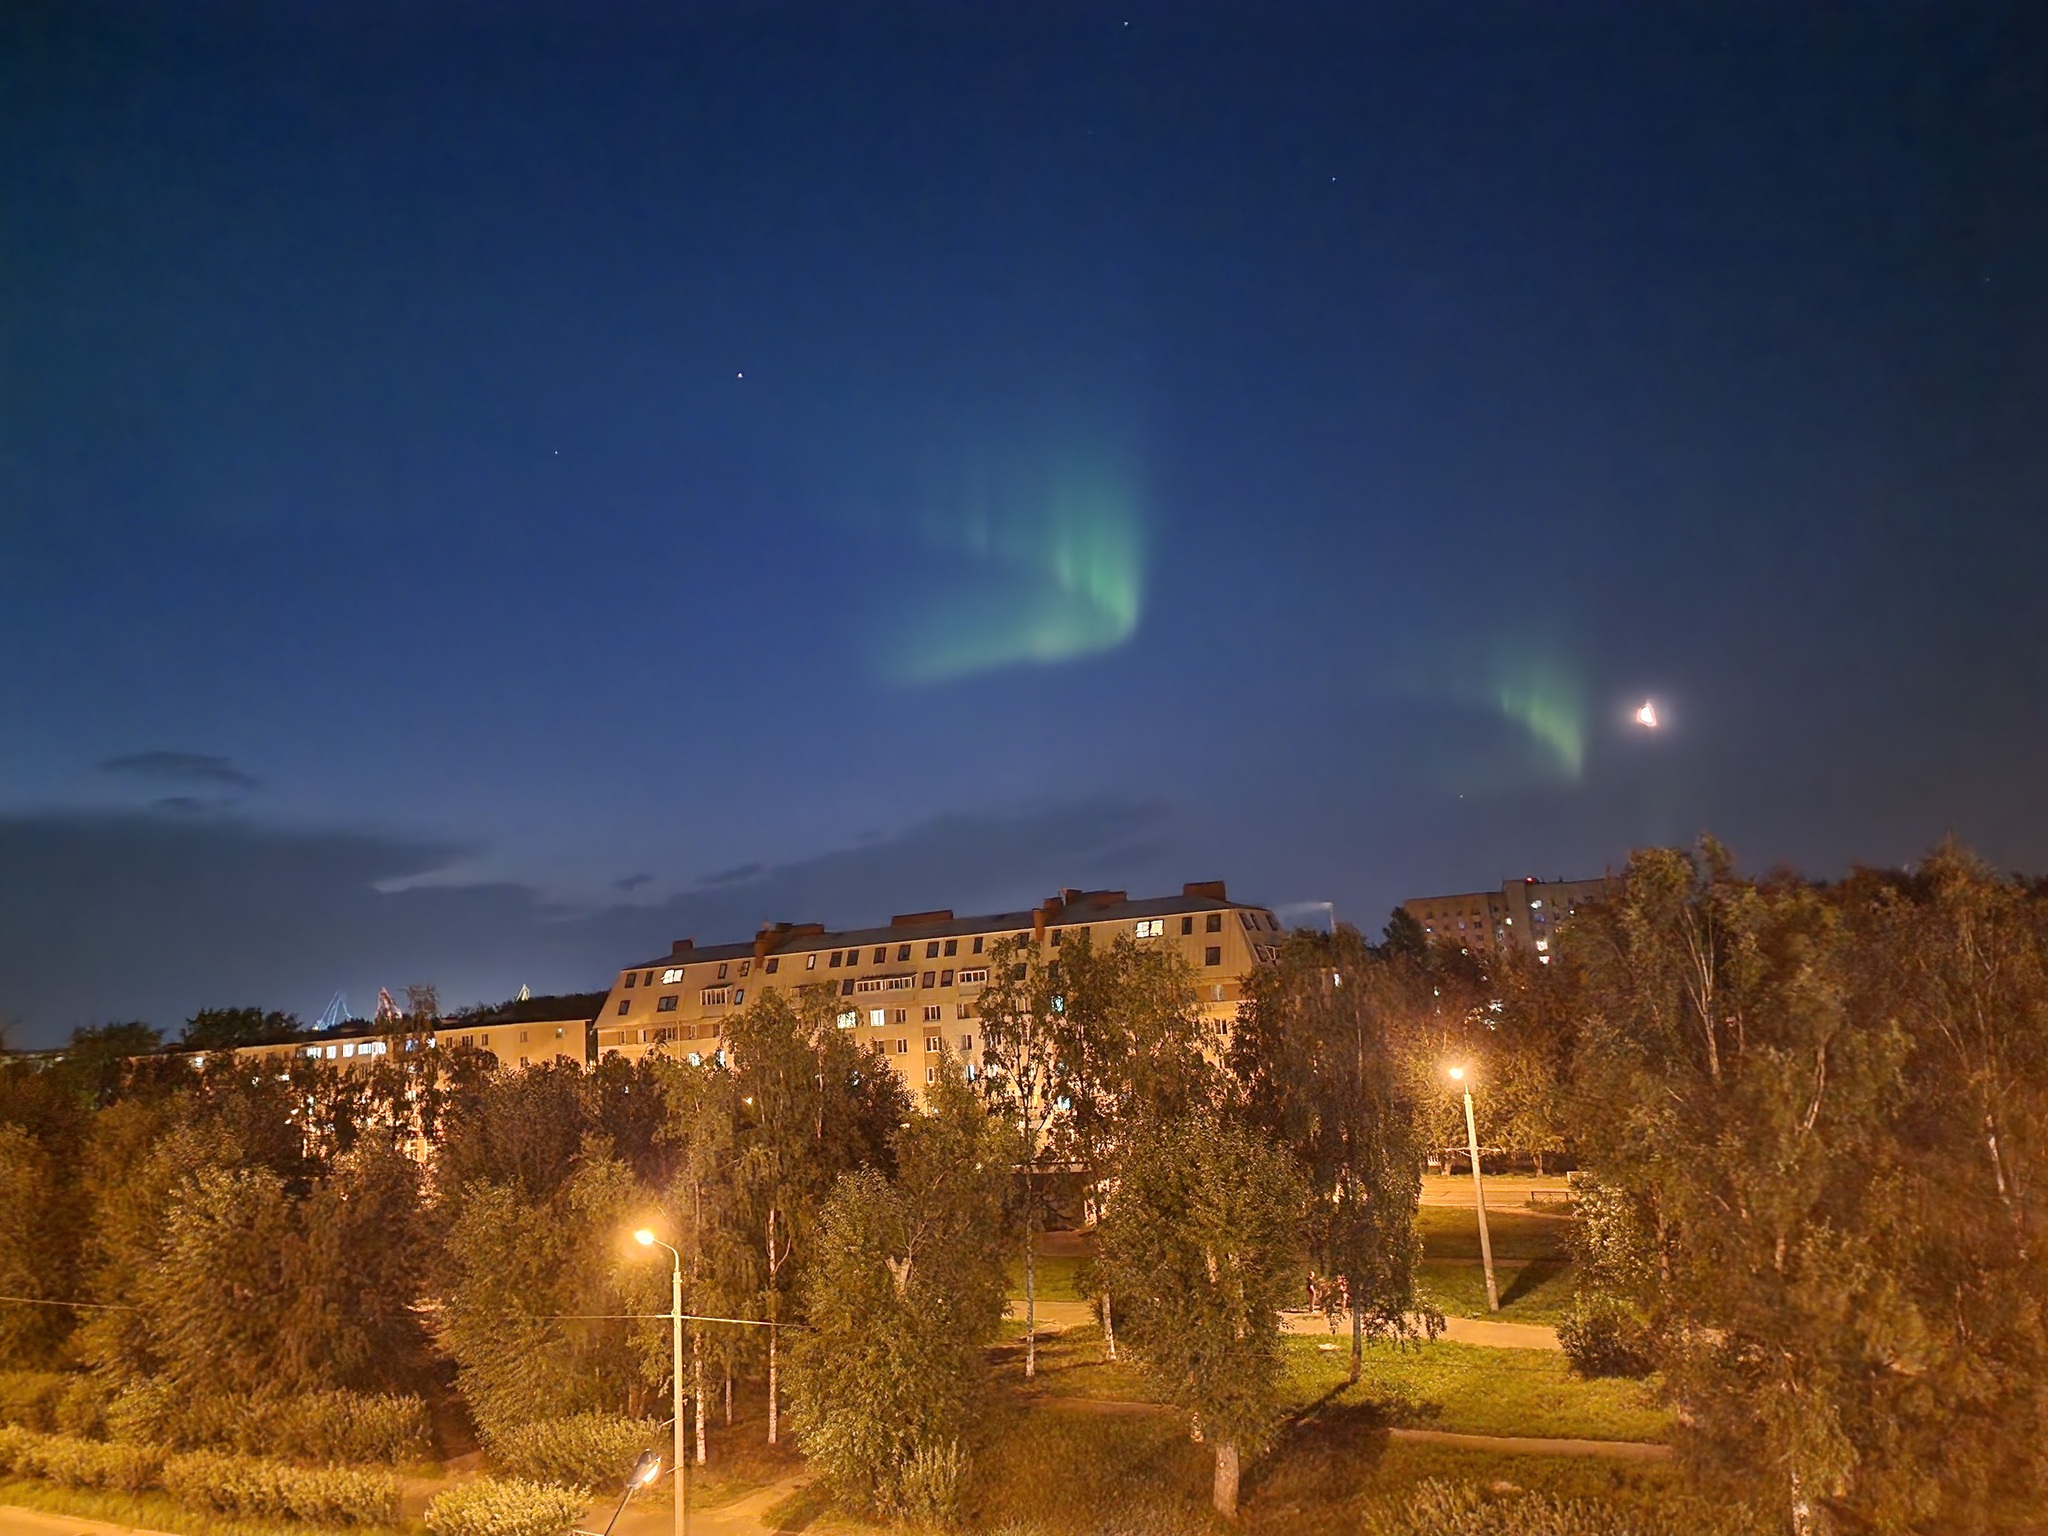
x: 911, y: 987
x: 1523, y: 916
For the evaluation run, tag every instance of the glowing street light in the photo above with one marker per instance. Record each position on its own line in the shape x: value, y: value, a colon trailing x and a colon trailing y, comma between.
x: 681, y: 1521
x: 1647, y: 715
x: 1457, y: 1075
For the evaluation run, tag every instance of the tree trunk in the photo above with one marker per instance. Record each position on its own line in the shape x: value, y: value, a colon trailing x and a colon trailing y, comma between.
x: 772, y: 1381
x: 728, y: 1392
x: 1030, y: 1281
x: 1108, y: 1326
x: 697, y: 1385
x: 1226, y: 1479
x: 1357, y: 1341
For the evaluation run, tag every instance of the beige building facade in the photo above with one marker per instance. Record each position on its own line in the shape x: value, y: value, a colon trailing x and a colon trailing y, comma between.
x: 1523, y: 916
x: 911, y: 987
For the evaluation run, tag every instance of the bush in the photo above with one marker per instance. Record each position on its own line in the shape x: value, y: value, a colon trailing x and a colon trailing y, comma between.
x: 144, y: 1413
x: 505, y: 1507
x: 82, y: 1410
x: 584, y: 1450
x: 1436, y: 1508
x: 931, y: 1484
x: 343, y: 1426
x: 29, y: 1398
x: 79, y: 1463
x: 1602, y: 1337
x: 254, y: 1486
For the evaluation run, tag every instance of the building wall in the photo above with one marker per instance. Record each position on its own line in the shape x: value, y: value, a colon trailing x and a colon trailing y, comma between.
x: 1523, y: 916
x: 912, y: 986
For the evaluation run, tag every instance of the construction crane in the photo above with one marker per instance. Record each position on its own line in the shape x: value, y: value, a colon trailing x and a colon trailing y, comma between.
x: 388, y: 1012
x: 335, y: 1014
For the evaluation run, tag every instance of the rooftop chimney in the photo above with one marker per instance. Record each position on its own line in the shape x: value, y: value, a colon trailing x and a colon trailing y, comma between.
x: 681, y: 947
x: 1209, y: 888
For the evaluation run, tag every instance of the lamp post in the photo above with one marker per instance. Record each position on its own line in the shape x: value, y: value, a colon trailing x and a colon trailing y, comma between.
x: 1478, y: 1190
x: 647, y: 1239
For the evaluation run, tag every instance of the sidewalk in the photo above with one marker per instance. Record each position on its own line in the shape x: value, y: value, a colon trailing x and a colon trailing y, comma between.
x: 15, y: 1521
x: 1459, y: 1330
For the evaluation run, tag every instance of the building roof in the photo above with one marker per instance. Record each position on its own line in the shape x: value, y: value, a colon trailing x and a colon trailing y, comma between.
x: 1069, y: 909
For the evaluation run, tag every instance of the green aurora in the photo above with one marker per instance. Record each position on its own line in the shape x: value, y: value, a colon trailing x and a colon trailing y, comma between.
x: 1050, y: 569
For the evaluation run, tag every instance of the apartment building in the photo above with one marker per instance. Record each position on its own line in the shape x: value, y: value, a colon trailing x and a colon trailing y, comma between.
x: 911, y: 987
x: 1522, y: 916
x: 520, y: 1034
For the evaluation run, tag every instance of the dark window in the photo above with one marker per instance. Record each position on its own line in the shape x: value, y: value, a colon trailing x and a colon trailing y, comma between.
x: 881, y: 953
x: 931, y: 950
x: 721, y: 973
x: 1187, y: 925
x: 632, y: 978
x: 977, y: 945
x: 952, y: 946
x: 665, y: 1004
x: 846, y: 987
x: 774, y: 964
x: 1213, y: 923
x: 1213, y: 955
x: 945, y: 978
x: 902, y: 953
x: 903, y: 1047
x: 625, y: 1006
x: 835, y: 959
x: 930, y: 977
x: 1017, y: 972
x: 1057, y: 935
x: 739, y: 995
x: 967, y: 1042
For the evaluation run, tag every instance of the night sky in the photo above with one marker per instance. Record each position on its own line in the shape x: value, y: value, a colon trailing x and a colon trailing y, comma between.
x: 488, y: 489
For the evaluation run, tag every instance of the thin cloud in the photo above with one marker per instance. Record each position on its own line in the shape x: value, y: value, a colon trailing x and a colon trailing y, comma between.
x: 180, y: 768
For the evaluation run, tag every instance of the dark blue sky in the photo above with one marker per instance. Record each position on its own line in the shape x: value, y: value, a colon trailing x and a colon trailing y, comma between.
x: 487, y: 489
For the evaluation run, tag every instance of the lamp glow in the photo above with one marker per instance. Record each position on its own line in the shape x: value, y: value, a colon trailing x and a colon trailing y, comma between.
x: 1457, y: 1074
x: 644, y: 1238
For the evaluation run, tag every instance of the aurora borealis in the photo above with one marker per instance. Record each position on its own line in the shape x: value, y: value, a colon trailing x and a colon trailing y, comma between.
x: 486, y: 489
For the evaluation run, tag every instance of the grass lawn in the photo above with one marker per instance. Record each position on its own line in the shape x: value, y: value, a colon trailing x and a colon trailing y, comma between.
x: 1054, y: 1273
x: 1449, y: 1233
x: 1531, y: 1290
x: 1475, y: 1390
x: 1461, y: 1387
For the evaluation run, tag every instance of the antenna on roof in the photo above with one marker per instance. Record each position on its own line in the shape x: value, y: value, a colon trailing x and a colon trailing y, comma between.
x: 525, y: 994
x: 387, y: 1011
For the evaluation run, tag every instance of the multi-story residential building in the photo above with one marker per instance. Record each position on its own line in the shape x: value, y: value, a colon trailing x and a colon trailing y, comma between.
x: 911, y: 987
x: 1522, y: 916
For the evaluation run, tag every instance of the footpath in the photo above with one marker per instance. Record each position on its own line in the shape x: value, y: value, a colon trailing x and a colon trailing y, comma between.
x: 1059, y: 1316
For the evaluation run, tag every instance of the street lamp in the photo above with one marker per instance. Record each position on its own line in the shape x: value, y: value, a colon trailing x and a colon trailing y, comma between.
x: 646, y: 1239
x: 1478, y: 1190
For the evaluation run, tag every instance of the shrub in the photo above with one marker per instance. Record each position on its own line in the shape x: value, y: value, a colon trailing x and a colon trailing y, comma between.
x: 79, y: 1463
x: 1437, y: 1508
x: 255, y: 1486
x: 145, y: 1412
x: 931, y: 1484
x: 1602, y: 1337
x: 29, y: 1398
x: 343, y: 1426
x: 505, y: 1507
x: 82, y: 1410
x: 584, y: 1450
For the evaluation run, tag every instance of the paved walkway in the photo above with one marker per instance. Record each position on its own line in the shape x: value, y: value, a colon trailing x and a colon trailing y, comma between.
x: 1058, y: 1316
x: 15, y: 1521
x: 744, y: 1516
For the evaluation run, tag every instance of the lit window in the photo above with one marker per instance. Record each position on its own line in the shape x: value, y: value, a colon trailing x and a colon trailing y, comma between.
x: 878, y: 1017
x: 1216, y: 993
x: 1541, y: 945
x: 811, y: 961
x: 672, y: 975
x: 1152, y: 928
x: 849, y: 1018
x: 696, y: 1060
x: 746, y: 966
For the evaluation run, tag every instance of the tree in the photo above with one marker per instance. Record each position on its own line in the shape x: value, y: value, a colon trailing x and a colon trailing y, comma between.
x: 1792, y: 1086
x: 903, y: 1295
x: 1199, y: 1247
x: 39, y: 1221
x: 1131, y: 1047
x: 222, y: 1029
x: 1020, y: 1009
x: 811, y: 1105
x: 1317, y: 1051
